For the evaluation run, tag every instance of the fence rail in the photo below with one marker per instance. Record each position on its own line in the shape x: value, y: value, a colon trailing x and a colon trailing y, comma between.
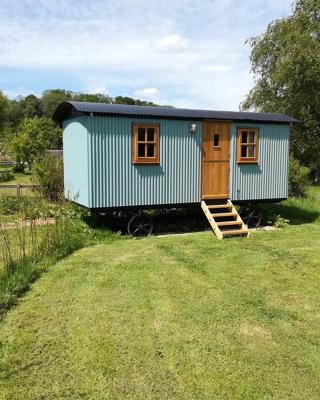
x: 6, y: 163
x: 19, y: 187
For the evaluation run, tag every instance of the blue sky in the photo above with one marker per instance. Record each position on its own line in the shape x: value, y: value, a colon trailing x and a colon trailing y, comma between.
x: 185, y: 53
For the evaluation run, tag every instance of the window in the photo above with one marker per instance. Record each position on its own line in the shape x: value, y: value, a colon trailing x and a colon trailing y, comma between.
x: 146, y: 144
x: 247, y: 145
x: 216, y: 140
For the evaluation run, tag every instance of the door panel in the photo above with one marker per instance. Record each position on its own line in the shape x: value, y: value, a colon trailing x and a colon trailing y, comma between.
x: 215, y: 159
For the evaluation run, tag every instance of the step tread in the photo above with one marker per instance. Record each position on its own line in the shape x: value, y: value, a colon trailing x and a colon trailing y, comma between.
x: 227, y: 214
x: 234, y: 232
x: 232, y: 225
x: 212, y: 206
x: 226, y: 223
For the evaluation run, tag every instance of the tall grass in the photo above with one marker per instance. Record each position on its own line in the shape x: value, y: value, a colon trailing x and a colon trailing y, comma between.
x: 29, y: 246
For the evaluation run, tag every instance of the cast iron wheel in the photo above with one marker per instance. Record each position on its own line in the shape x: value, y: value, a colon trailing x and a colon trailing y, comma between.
x: 140, y: 225
x: 251, y: 215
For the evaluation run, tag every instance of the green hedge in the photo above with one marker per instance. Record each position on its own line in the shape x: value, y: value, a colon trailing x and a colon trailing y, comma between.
x: 6, y: 176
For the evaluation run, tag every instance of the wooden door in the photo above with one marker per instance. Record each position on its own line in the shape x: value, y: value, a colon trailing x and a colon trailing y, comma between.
x: 215, y: 160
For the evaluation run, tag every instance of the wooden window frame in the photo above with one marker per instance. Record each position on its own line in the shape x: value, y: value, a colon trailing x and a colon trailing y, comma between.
x: 240, y: 144
x: 156, y: 142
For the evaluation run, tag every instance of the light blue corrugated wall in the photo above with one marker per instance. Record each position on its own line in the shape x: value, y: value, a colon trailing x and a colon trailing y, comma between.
x: 75, y: 161
x: 115, y: 181
x: 269, y: 178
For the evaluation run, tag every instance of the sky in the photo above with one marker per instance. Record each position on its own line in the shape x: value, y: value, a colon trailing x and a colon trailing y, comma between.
x: 184, y: 53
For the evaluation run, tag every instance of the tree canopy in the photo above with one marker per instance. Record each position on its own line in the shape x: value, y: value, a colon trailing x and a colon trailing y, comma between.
x: 285, y: 62
x: 31, y: 138
x: 3, y: 109
x: 13, y: 111
x: 27, y: 129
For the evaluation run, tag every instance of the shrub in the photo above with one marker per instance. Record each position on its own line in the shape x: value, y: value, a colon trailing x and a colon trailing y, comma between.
x: 31, y: 138
x: 10, y: 205
x: 48, y: 173
x: 271, y: 215
x: 298, y: 178
x: 18, y: 167
x: 6, y: 176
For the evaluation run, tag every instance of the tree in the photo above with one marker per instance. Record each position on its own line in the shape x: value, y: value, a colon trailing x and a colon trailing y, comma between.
x: 48, y: 174
x: 31, y: 138
x: 3, y: 118
x: 51, y: 99
x: 3, y: 110
x: 22, y: 107
x: 31, y: 106
x: 131, y: 101
x: 96, y: 98
x: 286, y: 64
x: 124, y: 100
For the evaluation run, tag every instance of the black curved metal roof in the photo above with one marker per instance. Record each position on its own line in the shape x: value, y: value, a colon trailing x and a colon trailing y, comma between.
x: 68, y: 108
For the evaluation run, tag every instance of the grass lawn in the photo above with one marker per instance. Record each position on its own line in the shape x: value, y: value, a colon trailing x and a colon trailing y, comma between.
x: 19, y: 177
x: 183, y: 317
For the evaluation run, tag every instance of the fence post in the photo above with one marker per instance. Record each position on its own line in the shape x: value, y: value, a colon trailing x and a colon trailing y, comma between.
x: 18, y: 190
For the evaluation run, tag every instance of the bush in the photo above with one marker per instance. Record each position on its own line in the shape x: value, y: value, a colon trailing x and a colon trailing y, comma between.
x: 31, y: 138
x: 10, y: 205
x: 6, y: 176
x: 48, y: 173
x: 18, y: 167
x: 298, y: 178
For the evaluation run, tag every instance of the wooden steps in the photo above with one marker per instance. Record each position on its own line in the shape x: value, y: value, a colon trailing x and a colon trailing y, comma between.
x: 218, y: 206
x: 228, y: 223
x: 220, y: 215
x: 224, y: 218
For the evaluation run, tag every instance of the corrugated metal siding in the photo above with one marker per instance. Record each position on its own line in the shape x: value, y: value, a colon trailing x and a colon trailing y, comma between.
x: 117, y: 182
x: 75, y: 161
x: 269, y: 178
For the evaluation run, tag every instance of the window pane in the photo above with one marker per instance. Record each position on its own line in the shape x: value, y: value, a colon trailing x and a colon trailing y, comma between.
x: 216, y: 138
x: 250, y: 151
x: 251, y: 137
x: 244, y: 137
x: 141, y: 149
x: 141, y: 134
x: 150, y: 150
x: 150, y: 134
x: 243, y: 151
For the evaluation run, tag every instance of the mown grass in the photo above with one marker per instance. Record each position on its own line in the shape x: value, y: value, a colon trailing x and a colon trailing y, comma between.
x: 185, y: 317
x: 19, y: 177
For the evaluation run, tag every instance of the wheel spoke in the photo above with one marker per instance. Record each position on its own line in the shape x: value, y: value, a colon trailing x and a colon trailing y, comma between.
x: 140, y: 225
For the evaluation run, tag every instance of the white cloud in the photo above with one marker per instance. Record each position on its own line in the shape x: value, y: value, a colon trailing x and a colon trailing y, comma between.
x: 147, y: 93
x: 172, y: 43
x: 216, y: 68
x: 20, y: 91
x: 96, y: 88
x: 183, y: 53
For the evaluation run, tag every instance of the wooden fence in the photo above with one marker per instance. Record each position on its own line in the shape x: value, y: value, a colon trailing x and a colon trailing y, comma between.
x: 18, y: 188
x: 6, y: 163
